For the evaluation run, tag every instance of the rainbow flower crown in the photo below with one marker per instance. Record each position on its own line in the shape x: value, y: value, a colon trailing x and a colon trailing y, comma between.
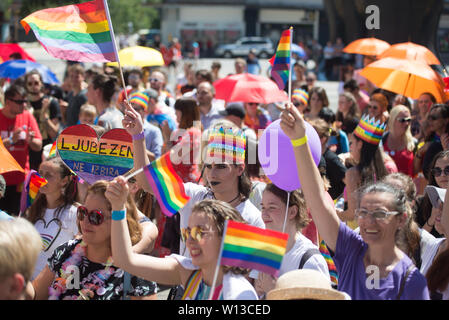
x: 226, y: 146
x: 370, y: 130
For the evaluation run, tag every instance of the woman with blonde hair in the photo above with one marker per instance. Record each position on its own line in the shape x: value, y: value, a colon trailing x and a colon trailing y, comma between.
x: 398, y: 142
x: 203, y: 238
x: 90, y: 257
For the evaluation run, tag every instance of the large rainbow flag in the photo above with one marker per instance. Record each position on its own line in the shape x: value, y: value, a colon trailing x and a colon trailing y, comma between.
x: 166, y: 184
x: 78, y: 32
x: 31, y: 187
x: 253, y: 248
x: 281, y: 65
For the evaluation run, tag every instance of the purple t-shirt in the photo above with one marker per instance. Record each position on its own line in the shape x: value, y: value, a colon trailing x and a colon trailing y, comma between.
x: 362, y: 284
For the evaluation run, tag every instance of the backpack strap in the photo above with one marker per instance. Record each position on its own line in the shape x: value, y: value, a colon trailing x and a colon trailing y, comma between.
x: 306, y: 256
x: 401, y: 289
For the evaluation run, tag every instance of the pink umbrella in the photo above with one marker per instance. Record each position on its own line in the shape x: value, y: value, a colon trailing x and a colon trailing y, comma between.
x: 247, y: 87
x: 6, y: 49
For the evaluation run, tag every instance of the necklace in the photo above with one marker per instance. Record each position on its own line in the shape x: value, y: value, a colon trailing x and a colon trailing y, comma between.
x: 87, y: 290
x: 238, y: 196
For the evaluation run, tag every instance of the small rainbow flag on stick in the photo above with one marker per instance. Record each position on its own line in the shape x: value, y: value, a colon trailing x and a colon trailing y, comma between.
x: 166, y: 184
x: 281, y: 65
x: 253, y: 248
x: 52, y: 152
x: 79, y: 32
x: 31, y: 187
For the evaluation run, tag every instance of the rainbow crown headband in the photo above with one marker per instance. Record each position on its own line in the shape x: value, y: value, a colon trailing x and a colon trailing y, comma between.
x: 369, y: 130
x: 226, y: 146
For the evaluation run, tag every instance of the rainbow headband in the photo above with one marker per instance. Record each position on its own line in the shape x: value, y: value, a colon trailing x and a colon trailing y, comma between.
x: 140, y: 98
x: 226, y: 146
x: 369, y: 130
x: 301, y: 95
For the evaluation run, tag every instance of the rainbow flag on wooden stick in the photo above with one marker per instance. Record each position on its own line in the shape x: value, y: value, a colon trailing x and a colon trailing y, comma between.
x: 281, y: 66
x: 253, y: 248
x: 31, y: 187
x: 166, y: 184
x: 79, y: 32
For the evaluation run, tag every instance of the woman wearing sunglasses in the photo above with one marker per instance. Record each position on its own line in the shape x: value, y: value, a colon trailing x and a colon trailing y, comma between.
x: 83, y: 268
x: 224, y: 180
x: 370, y: 265
x: 438, y: 119
x: 202, y: 236
x: 398, y: 142
x: 438, y: 177
x: 378, y: 106
x: 53, y: 212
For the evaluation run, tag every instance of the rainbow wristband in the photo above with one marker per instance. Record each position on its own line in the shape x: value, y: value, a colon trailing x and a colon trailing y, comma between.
x: 139, y: 136
x: 118, y: 215
x: 299, y: 142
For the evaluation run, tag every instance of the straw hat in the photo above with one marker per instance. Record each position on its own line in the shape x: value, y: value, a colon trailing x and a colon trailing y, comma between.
x: 304, y: 284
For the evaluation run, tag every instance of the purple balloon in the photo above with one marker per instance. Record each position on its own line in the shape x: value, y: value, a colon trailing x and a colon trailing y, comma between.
x: 277, y: 158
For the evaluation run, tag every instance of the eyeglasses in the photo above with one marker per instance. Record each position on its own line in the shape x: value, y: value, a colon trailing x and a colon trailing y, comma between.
x: 438, y: 171
x: 373, y: 107
x: 95, y: 217
x: 18, y: 101
x: 196, y: 233
x: 378, y: 215
x: 33, y: 83
x: 402, y: 120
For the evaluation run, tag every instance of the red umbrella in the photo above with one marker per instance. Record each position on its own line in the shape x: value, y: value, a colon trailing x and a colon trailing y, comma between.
x: 6, y: 49
x: 248, y: 87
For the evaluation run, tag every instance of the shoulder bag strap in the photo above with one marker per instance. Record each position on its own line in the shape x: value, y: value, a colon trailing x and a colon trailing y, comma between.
x: 306, y: 256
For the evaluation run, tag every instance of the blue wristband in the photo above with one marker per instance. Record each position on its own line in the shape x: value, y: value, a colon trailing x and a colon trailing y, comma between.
x: 138, y: 136
x: 118, y: 215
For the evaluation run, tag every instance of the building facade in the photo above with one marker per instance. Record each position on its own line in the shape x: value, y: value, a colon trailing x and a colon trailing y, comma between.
x: 211, y: 22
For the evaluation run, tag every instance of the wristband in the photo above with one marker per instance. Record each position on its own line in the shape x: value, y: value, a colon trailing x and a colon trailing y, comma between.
x: 118, y: 215
x: 299, y: 142
x: 139, y: 136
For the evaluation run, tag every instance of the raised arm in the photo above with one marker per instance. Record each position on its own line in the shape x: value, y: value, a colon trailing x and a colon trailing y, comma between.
x: 323, y: 213
x: 133, y: 123
x: 162, y: 270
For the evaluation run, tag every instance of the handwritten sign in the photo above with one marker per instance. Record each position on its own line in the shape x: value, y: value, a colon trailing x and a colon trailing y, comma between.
x: 93, y: 158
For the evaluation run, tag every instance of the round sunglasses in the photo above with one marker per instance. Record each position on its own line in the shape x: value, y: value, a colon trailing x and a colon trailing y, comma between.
x: 438, y: 171
x: 95, y: 217
x: 196, y: 233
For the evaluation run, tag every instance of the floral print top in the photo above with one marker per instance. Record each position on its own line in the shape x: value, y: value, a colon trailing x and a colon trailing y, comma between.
x: 96, y: 281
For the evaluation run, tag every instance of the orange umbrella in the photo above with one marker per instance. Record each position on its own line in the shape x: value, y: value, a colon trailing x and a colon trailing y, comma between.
x: 367, y: 46
x: 410, y: 51
x: 406, y: 77
x: 7, y: 162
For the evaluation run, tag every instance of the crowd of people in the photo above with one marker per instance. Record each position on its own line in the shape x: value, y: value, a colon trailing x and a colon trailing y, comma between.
x: 376, y: 200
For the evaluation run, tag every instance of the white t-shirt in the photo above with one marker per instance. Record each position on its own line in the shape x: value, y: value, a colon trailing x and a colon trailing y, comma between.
x: 54, y: 232
x: 197, y: 193
x: 293, y: 257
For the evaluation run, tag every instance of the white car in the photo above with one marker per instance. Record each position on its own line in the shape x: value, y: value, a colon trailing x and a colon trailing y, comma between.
x: 262, y: 46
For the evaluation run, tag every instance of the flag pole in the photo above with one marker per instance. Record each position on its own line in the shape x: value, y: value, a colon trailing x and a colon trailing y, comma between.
x: 217, y: 268
x: 114, y: 44
x: 290, y: 67
x: 286, y: 212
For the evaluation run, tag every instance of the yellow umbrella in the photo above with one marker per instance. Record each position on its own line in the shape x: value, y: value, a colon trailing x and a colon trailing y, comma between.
x: 139, y: 57
x: 406, y: 77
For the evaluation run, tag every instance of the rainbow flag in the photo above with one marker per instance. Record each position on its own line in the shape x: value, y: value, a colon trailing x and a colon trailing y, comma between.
x: 52, y: 152
x: 330, y: 262
x: 78, y: 32
x: 31, y: 187
x: 253, y: 248
x: 281, y: 66
x: 166, y: 184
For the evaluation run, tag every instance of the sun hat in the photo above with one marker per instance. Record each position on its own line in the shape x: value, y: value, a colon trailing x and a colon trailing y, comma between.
x: 434, y: 194
x: 304, y: 284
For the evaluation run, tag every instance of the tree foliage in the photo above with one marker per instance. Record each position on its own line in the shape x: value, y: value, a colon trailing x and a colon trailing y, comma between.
x: 138, y: 12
